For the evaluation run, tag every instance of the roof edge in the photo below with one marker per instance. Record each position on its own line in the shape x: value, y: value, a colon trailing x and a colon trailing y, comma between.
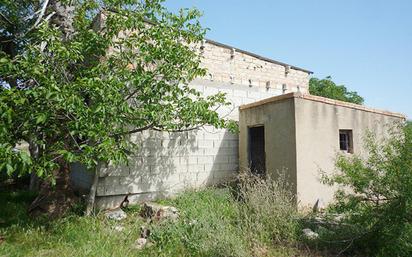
x: 257, y: 56
x: 321, y: 100
x: 98, y: 18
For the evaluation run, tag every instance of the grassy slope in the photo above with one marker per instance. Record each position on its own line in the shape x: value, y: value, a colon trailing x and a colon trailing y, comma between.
x: 208, y: 227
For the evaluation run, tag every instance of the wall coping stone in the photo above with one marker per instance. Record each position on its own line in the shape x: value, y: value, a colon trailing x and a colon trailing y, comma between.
x: 320, y: 99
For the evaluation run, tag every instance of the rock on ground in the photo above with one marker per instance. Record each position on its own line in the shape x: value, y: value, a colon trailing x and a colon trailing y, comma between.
x: 140, y: 243
x: 117, y: 214
x: 144, y: 232
x: 159, y: 212
x: 309, y: 234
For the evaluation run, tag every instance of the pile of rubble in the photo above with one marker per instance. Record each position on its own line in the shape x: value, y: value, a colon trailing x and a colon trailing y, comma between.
x: 151, y: 212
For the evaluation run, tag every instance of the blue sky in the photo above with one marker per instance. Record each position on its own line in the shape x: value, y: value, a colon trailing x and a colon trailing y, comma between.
x: 363, y: 44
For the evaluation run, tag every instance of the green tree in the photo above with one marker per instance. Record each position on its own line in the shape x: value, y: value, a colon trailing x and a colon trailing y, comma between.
x: 327, y: 88
x: 376, y: 196
x: 75, y: 89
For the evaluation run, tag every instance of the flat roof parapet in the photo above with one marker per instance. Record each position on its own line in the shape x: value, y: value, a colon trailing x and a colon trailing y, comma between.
x: 257, y: 56
x: 321, y: 100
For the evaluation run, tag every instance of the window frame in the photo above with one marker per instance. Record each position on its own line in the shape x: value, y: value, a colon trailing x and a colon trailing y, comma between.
x: 348, y: 141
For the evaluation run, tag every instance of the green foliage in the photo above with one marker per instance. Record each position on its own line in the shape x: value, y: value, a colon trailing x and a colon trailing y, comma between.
x: 210, y: 225
x: 327, y: 88
x: 79, y: 96
x: 70, y: 236
x: 376, y: 195
x: 14, y: 207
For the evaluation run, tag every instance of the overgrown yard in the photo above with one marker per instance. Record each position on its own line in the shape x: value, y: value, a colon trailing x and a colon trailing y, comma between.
x: 209, y: 225
x: 253, y: 217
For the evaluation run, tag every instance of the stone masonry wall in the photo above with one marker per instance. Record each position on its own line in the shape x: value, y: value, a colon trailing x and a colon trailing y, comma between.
x: 171, y: 162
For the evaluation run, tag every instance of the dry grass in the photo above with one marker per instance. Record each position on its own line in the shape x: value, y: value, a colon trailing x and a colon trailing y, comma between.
x: 267, y: 210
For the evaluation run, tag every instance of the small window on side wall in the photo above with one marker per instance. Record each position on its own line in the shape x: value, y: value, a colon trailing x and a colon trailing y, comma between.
x: 346, y: 140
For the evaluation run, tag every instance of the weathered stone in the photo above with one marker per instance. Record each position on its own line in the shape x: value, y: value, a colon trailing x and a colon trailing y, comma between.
x: 140, y: 243
x: 159, y: 212
x: 309, y: 234
x: 144, y: 232
x: 117, y: 214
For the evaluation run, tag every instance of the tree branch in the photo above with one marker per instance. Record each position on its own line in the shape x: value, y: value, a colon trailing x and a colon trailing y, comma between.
x: 5, y: 18
x: 42, y: 11
x: 133, y: 131
x: 178, y: 130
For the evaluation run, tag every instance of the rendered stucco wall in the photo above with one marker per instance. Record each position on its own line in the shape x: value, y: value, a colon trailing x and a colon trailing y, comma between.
x: 278, y: 120
x: 302, y: 135
x: 317, y: 138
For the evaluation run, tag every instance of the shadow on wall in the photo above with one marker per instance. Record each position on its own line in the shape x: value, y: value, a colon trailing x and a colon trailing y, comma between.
x: 81, y: 179
x: 225, y: 166
x: 168, y: 163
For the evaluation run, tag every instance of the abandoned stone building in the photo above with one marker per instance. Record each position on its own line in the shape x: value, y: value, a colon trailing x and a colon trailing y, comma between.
x: 299, y: 133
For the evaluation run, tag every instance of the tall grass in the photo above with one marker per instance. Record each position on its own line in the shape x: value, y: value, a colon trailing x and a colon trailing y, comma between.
x: 261, y: 222
x: 208, y: 226
x: 267, y: 210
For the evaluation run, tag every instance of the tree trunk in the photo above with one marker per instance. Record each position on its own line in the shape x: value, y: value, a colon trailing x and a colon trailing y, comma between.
x: 63, y: 17
x: 34, y: 179
x: 55, y: 201
x: 34, y: 182
x: 92, y: 193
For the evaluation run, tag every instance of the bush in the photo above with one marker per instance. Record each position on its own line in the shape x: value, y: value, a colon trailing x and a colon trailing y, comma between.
x: 208, y: 227
x: 262, y: 221
x: 376, y: 199
x: 267, y: 211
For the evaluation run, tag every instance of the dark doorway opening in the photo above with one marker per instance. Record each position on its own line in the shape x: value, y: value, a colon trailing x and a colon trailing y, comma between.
x: 256, y: 150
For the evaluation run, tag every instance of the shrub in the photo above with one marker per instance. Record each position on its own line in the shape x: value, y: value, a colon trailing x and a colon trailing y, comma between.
x: 267, y: 211
x: 207, y: 227
x: 377, y: 197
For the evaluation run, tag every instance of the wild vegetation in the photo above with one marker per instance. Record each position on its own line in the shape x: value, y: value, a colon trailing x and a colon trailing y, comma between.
x: 213, y: 222
x: 375, y: 200
x: 252, y: 217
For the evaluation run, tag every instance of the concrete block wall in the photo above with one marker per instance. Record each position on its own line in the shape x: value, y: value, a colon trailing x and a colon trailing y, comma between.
x: 81, y: 178
x: 167, y: 163
x: 231, y: 65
